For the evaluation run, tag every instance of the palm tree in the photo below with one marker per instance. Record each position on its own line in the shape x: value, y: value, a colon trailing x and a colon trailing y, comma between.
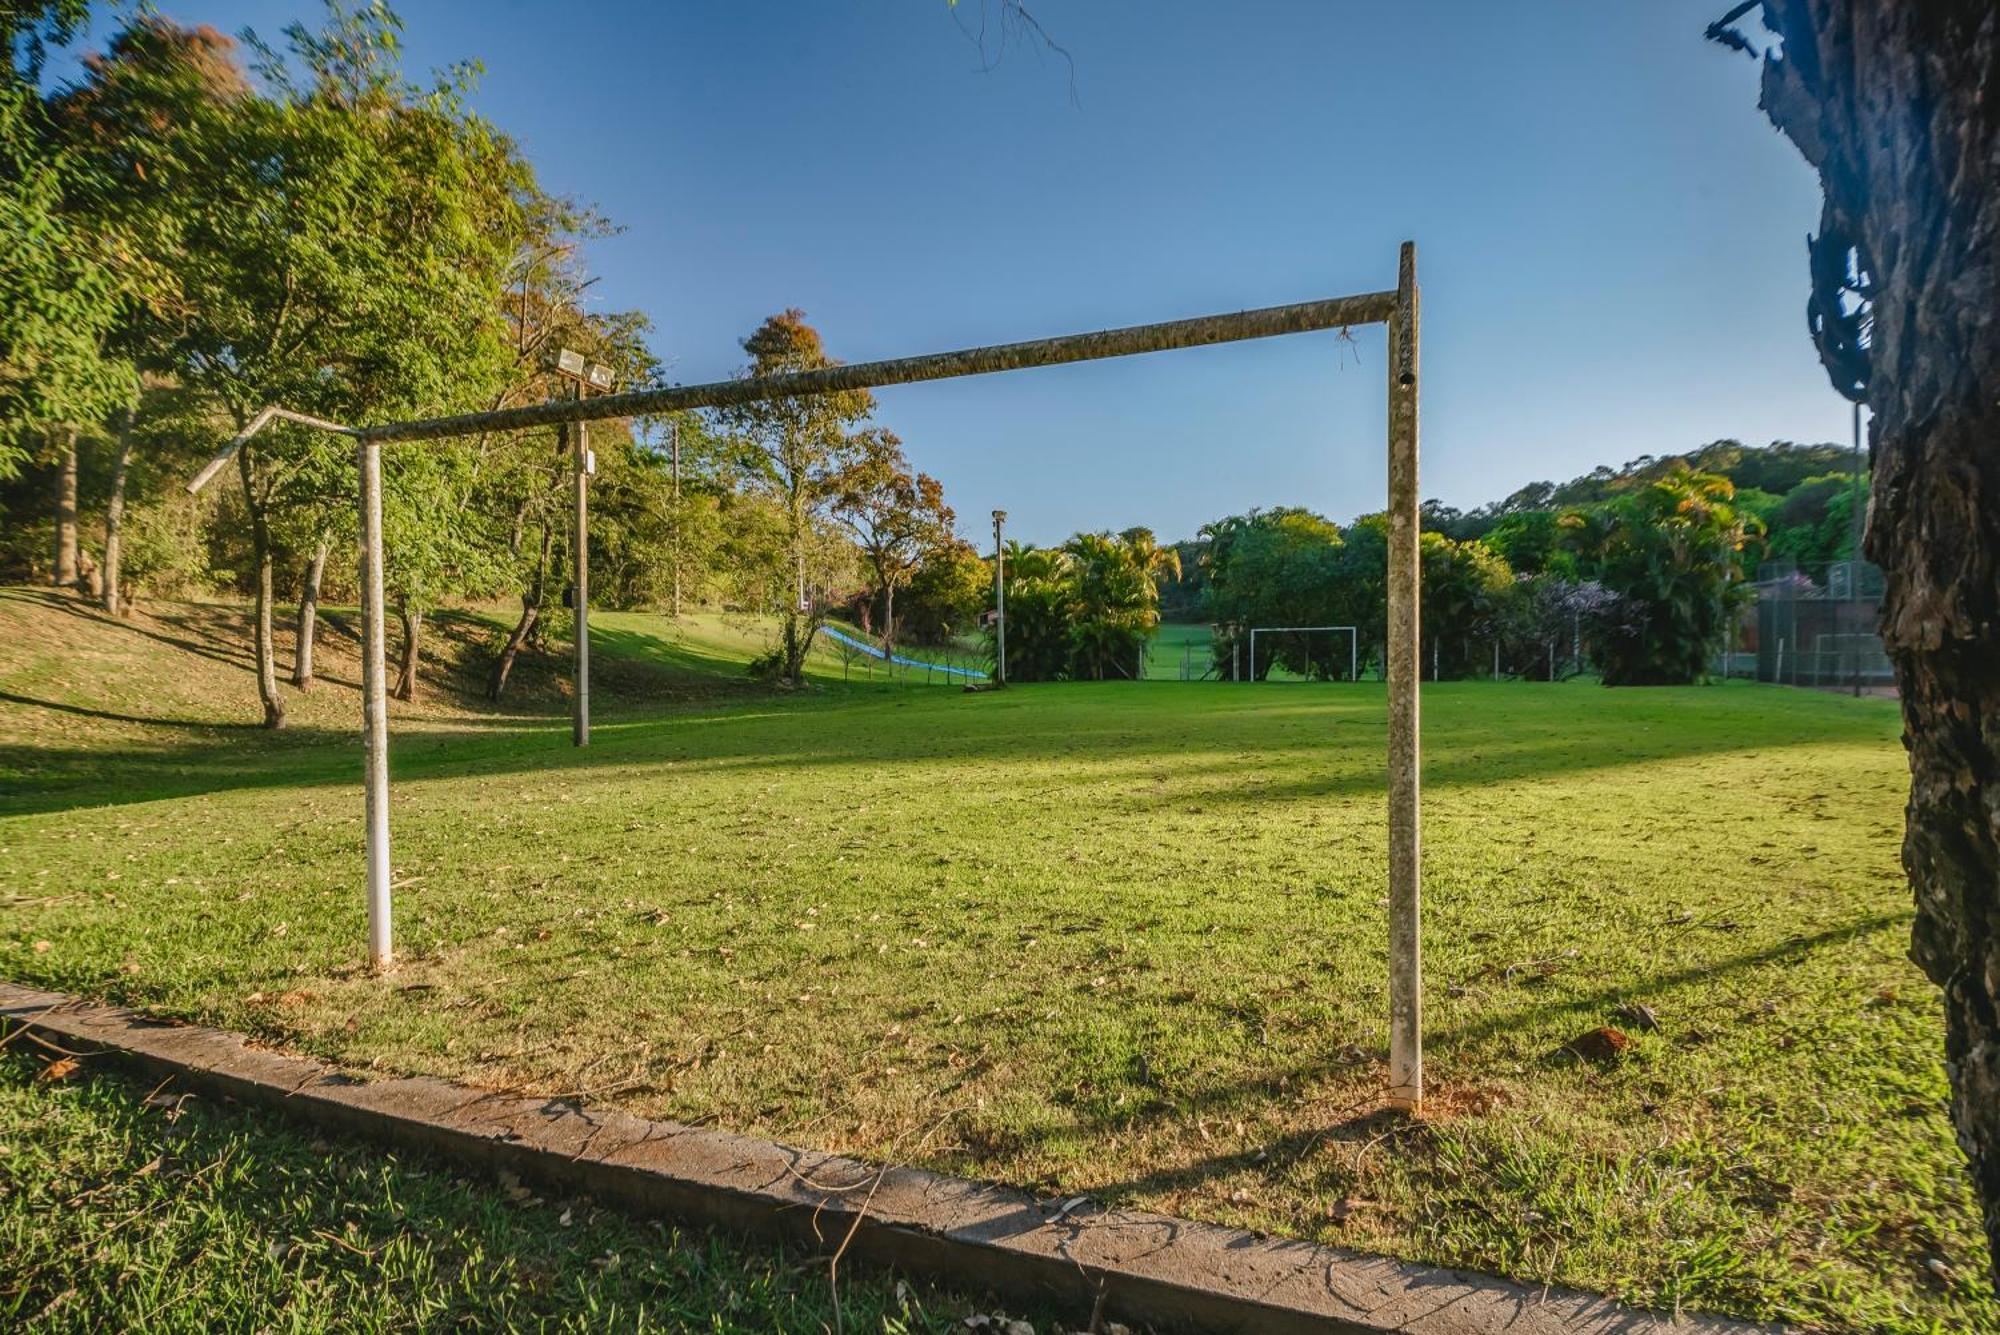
x: 1158, y: 562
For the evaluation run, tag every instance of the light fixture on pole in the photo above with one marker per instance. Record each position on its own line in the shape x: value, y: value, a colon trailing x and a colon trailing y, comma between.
x: 999, y: 599
x: 584, y: 375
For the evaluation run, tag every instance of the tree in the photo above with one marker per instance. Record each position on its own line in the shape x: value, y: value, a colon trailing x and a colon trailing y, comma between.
x: 1279, y: 567
x: 798, y: 450
x: 1895, y: 105
x: 153, y: 75
x: 63, y: 288
x: 895, y: 516
x: 1671, y: 551
x: 1114, y: 604
x: 1038, y: 614
x: 950, y: 588
x: 1468, y: 596
x: 339, y: 245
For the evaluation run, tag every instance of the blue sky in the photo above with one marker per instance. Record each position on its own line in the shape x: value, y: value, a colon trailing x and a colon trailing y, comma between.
x: 1611, y: 238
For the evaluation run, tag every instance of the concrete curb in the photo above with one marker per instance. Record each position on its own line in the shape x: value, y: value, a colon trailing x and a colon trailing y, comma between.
x: 1147, y: 1268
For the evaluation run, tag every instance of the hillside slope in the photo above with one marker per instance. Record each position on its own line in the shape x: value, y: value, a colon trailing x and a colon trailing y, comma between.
x: 164, y: 685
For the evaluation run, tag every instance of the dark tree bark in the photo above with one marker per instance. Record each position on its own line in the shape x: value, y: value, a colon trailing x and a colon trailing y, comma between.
x: 302, y: 652
x: 413, y: 629
x: 1897, y: 104
x: 531, y: 615
x: 66, y: 570
x: 114, y: 519
x: 260, y: 541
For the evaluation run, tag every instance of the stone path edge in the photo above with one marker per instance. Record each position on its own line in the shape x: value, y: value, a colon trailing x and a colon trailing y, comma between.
x: 1130, y: 1265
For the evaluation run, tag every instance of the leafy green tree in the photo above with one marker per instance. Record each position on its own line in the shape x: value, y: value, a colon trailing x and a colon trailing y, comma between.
x: 1039, y: 603
x: 1532, y: 542
x: 1468, y: 594
x: 1113, y: 603
x: 894, y: 514
x: 1279, y: 567
x: 797, y: 451
x: 950, y: 588
x: 1671, y: 551
x: 63, y: 287
x: 339, y: 246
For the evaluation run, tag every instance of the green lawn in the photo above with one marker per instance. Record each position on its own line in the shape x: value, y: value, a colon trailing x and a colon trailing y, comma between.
x: 130, y: 1206
x: 1103, y: 938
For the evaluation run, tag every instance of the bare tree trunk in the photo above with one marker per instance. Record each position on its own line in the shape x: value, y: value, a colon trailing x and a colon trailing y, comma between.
x: 1898, y: 107
x: 531, y: 615
x: 413, y: 628
x: 302, y: 652
x: 114, y: 519
x: 266, y: 653
x: 66, y: 538
x: 888, y: 619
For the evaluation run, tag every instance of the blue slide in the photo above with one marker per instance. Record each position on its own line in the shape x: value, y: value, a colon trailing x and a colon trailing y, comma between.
x: 875, y: 651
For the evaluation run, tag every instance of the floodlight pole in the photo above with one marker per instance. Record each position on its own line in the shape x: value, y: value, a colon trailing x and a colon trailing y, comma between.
x: 1000, y: 598
x: 1406, y: 1051
x: 580, y: 722
x: 675, y: 428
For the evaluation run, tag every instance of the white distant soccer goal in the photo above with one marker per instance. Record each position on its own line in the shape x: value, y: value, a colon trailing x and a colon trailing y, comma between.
x: 1353, y: 645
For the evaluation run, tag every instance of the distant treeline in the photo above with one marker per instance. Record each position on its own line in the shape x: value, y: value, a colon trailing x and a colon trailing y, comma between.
x: 1633, y: 572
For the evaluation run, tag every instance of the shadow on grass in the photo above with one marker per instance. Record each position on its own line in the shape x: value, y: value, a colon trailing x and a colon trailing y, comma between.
x: 860, y: 728
x: 1447, y: 1043
x: 80, y: 711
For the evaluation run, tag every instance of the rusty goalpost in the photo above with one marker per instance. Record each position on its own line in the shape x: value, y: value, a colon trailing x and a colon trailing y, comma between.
x: 1396, y: 308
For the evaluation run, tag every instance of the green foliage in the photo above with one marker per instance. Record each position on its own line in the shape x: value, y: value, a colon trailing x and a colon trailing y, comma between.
x: 60, y: 294
x: 1813, y: 523
x: 951, y: 587
x: 1468, y: 593
x: 894, y: 514
x: 797, y: 452
x: 1083, y: 611
x: 1671, y: 551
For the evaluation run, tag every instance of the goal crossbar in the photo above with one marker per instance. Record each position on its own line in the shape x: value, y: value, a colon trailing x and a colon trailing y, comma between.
x: 1353, y: 645
x: 1202, y: 331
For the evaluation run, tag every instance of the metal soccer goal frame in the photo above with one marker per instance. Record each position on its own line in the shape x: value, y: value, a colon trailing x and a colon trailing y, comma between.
x: 1353, y: 645
x: 1396, y: 308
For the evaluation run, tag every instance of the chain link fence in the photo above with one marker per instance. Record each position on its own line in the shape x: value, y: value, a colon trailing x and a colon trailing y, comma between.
x: 1812, y: 625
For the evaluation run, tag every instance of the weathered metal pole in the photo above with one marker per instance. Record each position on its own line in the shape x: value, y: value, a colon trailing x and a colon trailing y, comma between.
x: 1000, y: 598
x: 374, y: 710
x: 580, y: 723
x: 1854, y: 556
x: 1406, y: 1044
x: 675, y: 428
x: 1202, y: 331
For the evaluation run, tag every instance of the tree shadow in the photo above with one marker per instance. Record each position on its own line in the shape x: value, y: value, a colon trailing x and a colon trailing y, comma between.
x: 82, y: 711
x: 1217, y: 763
x: 1445, y: 1045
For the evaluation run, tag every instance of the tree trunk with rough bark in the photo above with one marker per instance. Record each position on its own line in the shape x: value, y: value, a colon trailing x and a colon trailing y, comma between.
x: 413, y: 629
x: 302, y: 652
x: 531, y: 614
x: 1897, y: 104
x: 266, y: 652
x: 66, y: 538
x: 114, y: 519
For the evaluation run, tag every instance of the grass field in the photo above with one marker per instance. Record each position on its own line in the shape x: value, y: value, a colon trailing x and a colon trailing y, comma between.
x: 1094, y: 938
x: 133, y: 1207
